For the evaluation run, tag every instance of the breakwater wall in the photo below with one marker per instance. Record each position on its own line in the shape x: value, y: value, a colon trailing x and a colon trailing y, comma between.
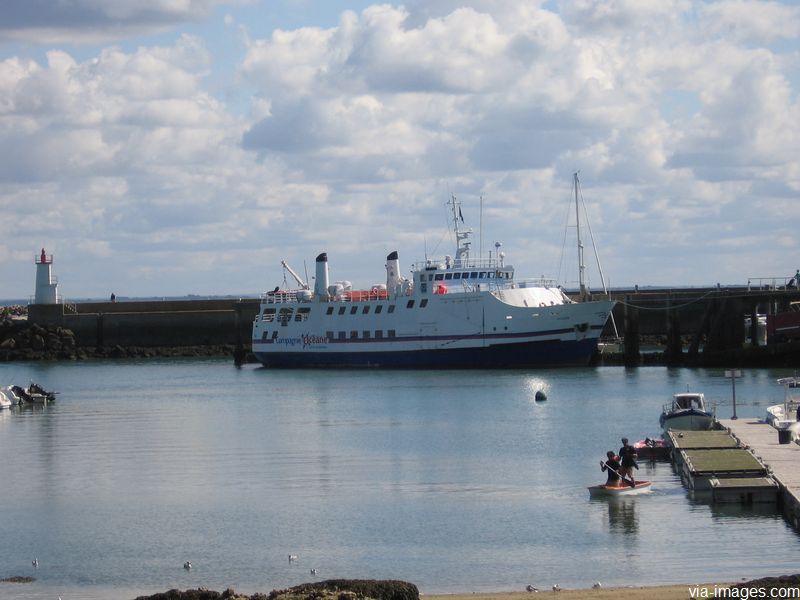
x: 694, y: 326
x: 165, y: 323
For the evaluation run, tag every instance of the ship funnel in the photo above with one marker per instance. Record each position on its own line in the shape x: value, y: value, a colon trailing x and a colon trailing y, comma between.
x: 392, y: 271
x: 321, y: 280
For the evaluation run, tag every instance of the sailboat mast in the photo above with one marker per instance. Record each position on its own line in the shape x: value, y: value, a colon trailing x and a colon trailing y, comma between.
x: 581, y: 265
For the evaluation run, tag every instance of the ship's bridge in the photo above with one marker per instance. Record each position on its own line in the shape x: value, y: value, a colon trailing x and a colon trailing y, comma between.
x: 441, y: 276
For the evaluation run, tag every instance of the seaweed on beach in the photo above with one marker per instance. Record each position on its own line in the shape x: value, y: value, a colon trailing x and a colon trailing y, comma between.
x: 349, y: 589
x: 18, y: 579
x: 332, y: 589
x: 771, y: 583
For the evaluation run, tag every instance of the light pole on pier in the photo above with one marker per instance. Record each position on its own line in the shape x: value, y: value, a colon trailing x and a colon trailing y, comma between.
x: 733, y: 374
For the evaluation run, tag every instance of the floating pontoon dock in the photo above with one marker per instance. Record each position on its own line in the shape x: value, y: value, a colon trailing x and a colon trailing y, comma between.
x: 713, y: 461
x: 782, y: 460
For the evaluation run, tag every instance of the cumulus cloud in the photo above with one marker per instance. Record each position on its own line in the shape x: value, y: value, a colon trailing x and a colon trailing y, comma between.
x: 87, y: 21
x: 472, y: 90
x: 680, y: 117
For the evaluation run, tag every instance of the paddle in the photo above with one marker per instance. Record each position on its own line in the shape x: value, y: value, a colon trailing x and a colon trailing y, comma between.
x: 630, y: 483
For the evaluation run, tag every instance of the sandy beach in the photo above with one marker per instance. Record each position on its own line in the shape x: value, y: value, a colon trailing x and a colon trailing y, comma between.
x: 666, y: 592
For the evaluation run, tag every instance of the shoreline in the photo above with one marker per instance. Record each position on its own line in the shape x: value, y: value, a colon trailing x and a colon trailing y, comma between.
x: 645, y: 592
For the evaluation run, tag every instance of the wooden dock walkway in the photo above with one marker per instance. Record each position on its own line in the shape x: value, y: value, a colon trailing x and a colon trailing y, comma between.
x: 782, y: 460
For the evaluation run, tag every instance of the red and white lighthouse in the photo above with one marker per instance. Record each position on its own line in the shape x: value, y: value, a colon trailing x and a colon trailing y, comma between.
x: 46, y: 283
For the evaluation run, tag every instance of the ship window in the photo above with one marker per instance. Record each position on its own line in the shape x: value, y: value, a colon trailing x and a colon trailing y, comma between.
x: 353, y: 335
x: 379, y: 334
x: 285, y: 315
x: 424, y: 288
x: 342, y: 309
x: 456, y: 275
x: 474, y: 274
x: 448, y: 275
x: 269, y: 315
x: 365, y: 334
x: 378, y: 309
x: 275, y: 334
x: 341, y: 335
x: 353, y: 310
x: 302, y: 314
x: 365, y: 311
x: 430, y: 277
x: 391, y: 308
x: 410, y: 304
x: 439, y: 277
x: 489, y: 275
x: 328, y: 335
x: 390, y: 333
x: 329, y: 311
x: 423, y: 303
x: 264, y: 336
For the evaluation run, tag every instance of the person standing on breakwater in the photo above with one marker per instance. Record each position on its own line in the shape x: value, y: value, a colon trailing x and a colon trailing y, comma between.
x: 612, y: 466
x: 627, y: 455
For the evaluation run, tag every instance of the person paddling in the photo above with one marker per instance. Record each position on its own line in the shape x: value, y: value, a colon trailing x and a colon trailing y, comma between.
x: 627, y: 456
x: 611, y: 465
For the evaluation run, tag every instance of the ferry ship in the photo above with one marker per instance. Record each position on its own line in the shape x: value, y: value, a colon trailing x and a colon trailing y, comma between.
x: 451, y: 313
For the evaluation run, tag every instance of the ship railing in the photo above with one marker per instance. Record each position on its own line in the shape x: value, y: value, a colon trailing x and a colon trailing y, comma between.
x: 279, y: 297
x: 457, y: 263
x: 537, y: 282
x: 291, y: 297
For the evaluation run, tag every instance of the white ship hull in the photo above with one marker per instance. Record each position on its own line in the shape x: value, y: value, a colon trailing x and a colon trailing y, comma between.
x: 453, y: 312
x: 471, y: 329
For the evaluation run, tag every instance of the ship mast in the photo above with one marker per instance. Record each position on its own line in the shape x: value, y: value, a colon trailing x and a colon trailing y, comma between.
x: 581, y: 265
x: 462, y: 237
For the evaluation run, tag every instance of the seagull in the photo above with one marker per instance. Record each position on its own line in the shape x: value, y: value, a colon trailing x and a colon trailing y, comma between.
x: 597, y: 585
x: 313, y: 571
x: 556, y: 587
x: 530, y: 588
x: 292, y: 557
x: 35, y: 562
x: 187, y: 565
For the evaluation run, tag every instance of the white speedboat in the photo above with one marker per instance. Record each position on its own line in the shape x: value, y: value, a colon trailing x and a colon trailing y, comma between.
x: 10, y: 393
x: 33, y: 394
x: 5, y: 401
x: 687, y: 411
x: 783, y: 417
x: 459, y: 312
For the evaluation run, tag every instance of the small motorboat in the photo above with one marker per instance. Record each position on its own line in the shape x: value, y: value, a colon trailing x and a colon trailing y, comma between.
x: 687, y: 411
x: 612, y: 491
x: 783, y: 417
x: 652, y: 449
x: 11, y: 394
x: 37, y: 394
x: 33, y: 394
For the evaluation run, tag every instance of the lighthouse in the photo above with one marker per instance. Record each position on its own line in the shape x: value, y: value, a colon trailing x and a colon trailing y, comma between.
x: 46, y: 284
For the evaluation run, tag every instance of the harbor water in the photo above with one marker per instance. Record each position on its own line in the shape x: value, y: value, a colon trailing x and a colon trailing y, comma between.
x: 457, y: 481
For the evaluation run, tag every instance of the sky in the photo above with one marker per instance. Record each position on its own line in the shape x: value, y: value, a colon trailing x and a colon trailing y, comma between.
x: 173, y: 147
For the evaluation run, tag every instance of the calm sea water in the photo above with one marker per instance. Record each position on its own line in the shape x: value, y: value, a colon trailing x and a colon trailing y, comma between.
x: 455, y: 481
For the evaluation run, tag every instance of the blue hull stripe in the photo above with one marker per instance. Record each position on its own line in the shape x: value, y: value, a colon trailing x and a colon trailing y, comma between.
x: 513, y: 355
x: 442, y: 338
